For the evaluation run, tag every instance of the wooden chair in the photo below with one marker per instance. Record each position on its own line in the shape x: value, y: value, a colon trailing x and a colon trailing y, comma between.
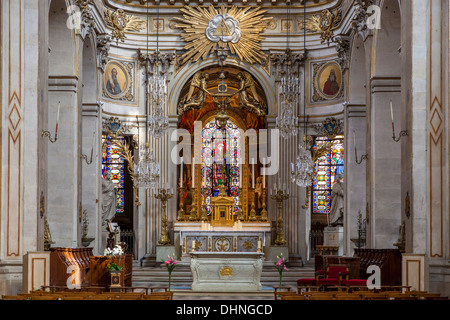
x: 293, y: 297
x: 168, y: 294
x: 321, y: 297
x: 11, y: 297
x: 348, y: 296
x: 73, y: 297
x: 153, y: 296
x: 47, y: 297
x: 100, y: 297
x: 374, y: 296
x: 334, y: 275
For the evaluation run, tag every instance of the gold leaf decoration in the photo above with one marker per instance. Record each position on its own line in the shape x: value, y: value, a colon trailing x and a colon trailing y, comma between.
x: 121, y: 23
x: 323, y: 23
x: 237, y: 29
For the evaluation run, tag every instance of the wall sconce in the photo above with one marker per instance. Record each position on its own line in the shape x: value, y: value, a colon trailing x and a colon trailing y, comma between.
x: 47, y: 133
x: 364, y: 157
x: 85, y: 158
x: 402, y: 133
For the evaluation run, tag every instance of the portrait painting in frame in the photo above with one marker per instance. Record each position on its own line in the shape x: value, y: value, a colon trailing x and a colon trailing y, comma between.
x: 116, y: 80
x: 328, y: 81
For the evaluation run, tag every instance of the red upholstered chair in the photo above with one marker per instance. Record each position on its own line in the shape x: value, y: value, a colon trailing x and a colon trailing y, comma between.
x: 334, y: 276
x: 311, y: 282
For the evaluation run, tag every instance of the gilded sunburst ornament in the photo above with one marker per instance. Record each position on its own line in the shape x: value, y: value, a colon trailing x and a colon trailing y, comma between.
x: 237, y: 29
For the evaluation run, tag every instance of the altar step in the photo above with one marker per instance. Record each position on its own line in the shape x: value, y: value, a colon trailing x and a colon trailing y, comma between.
x: 182, y: 277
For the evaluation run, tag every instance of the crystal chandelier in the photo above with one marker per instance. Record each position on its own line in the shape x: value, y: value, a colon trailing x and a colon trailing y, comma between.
x: 157, y: 100
x: 303, y: 169
x: 157, y: 93
x: 287, y: 121
x: 147, y: 170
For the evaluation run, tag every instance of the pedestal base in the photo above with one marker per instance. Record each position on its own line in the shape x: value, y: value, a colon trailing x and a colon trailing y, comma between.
x: 272, y: 252
x: 334, y: 237
x: 162, y: 252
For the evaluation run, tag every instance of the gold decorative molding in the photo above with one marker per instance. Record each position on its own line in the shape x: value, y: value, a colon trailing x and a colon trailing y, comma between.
x: 236, y: 29
x: 324, y: 23
x: 121, y: 23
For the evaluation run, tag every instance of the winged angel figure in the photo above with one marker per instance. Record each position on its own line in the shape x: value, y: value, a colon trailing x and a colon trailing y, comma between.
x: 121, y: 23
x: 323, y: 23
x: 200, y: 82
x: 256, y: 105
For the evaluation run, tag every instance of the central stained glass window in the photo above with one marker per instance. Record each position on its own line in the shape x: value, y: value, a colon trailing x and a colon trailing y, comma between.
x: 221, y: 152
x: 327, y: 168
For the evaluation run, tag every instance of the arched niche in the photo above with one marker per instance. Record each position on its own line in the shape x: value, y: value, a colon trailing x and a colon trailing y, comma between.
x: 89, y: 72
x: 246, y: 118
x: 188, y: 72
x: 357, y: 72
x: 387, y: 41
x: 61, y: 40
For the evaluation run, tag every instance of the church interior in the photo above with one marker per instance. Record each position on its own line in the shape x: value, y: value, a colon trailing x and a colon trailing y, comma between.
x: 196, y: 149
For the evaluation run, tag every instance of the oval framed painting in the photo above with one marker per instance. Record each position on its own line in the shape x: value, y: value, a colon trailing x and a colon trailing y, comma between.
x: 116, y: 79
x: 329, y: 80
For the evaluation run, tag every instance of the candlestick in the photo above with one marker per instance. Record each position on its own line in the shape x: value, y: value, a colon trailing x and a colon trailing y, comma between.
x: 57, y: 120
x: 280, y: 196
x: 181, y: 173
x: 392, y: 118
x: 164, y: 195
x: 252, y: 216
x: 264, y: 178
x: 93, y: 142
x: 181, y: 211
x: 264, y: 216
x: 240, y: 176
x: 392, y: 113
x: 193, y: 173
x: 253, y: 173
x: 193, y: 213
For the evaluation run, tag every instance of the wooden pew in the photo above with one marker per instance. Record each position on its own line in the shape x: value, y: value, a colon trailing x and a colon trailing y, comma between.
x: 389, y: 261
x: 63, y: 258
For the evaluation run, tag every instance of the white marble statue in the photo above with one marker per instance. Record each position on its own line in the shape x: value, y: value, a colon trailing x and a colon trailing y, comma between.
x: 109, y: 199
x: 337, y: 203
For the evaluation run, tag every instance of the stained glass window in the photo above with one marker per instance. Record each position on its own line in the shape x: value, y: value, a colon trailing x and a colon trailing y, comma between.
x: 220, y: 161
x: 327, y: 168
x: 114, y: 163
